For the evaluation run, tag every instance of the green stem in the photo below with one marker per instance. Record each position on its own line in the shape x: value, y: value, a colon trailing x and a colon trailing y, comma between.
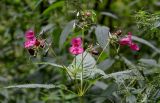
x: 75, y: 77
x: 81, y: 99
x: 101, y: 53
x: 66, y: 69
x: 82, y: 61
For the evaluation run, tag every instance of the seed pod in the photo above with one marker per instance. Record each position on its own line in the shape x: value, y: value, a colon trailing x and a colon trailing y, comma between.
x: 92, y: 50
x: 31, y: 51
x: 42, y: 43
x: 37, y: 43
x: 95, y: 52
x: 88, y: 13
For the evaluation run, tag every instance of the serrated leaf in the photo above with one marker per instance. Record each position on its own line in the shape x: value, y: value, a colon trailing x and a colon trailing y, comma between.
x: 89, y: 66
x: 53, y: 6
x: 47, y: 86
x: 146, y: 43
x: 66, y: 31
x: 131, y: 99
x: 118, y: 74
x: 102, y: 34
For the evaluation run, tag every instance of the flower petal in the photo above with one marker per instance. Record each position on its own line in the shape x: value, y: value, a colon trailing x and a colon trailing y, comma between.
x: 29, y: 34
x: 30, y: 43
x: 76, y: 50
x: 134, y: 47
x: 76, y: 42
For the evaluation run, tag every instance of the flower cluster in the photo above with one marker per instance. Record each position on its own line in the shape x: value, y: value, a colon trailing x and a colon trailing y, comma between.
x: 128, y: 41
x: 32, y: 41
x: 76, y: 47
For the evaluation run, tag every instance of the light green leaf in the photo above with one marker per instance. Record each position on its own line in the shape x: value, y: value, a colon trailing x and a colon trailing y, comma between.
x: 89, y: 66
x: 47, y: 86
x: 131, y: 99
x: 66, y: 31
x: 118, y: 74
x: 101, y: 85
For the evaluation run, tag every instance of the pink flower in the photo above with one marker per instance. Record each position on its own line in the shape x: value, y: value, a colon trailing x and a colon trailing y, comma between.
x: 29, y: 34
x: 127, y: 40
x: 76, y: 46
x: 134, y: 47
x: 76, y: 50
x: 30, y: 43
x: 76, y: 42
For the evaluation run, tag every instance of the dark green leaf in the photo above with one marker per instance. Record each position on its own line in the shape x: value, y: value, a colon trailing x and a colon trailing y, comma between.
x: 66, y: 31
x: 109, y: 15
x: 102, y: 34
x: 53, y: 6
x: 146, y: 43
x: 106, y: 64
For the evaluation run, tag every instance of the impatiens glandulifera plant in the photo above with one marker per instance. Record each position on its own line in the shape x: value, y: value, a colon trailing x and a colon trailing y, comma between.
x: 84, y: 71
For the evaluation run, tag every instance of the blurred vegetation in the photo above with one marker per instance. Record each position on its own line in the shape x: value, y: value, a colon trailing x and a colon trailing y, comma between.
x: 51, y: 16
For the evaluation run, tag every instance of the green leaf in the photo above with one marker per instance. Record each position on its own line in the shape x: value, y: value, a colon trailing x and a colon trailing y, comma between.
x: 66, y: 31
x: 101, y: 85
x: 102, y: 34
x: 104, y: 65
x: 46, y: 28
x: 109, y: 15
x: 37, y: 3
x: 2, y: 79
x: 53, y: 64
x: 128, y: 62
x: 47, y: 86
x: 150, y: 62
x: 131, y: 99
x: 146, y: 43
x: 53, y: 6
x: 89, y: 66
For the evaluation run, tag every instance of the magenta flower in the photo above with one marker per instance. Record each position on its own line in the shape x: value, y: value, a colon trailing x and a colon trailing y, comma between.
x: 30, y: 39
x: 127, y: 40
x: 76, y: 46
x: 30, y: 43
x: 29, y: 34
x: 134, y: 47
x: 76, y: 42
x: 76, y: 50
